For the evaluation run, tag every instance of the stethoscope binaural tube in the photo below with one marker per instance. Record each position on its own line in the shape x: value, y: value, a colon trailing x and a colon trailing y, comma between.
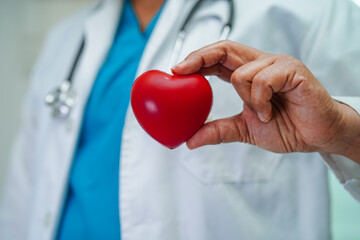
x: 182, y: 32
x: 62, y: 99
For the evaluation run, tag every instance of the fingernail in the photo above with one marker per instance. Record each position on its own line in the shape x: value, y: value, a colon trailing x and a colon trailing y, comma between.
x: 174, y: 68
x: 190, y: 145
x: 180, y: 64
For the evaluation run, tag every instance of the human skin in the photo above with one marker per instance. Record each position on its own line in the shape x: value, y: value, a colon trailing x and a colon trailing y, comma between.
x: 145, y: 10
x: 286, y: 109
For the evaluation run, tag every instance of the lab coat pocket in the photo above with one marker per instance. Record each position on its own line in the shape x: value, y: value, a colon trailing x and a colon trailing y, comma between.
x: 231, y: 163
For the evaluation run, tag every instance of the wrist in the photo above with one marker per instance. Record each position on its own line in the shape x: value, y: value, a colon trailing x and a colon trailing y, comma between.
x: 347, y: 141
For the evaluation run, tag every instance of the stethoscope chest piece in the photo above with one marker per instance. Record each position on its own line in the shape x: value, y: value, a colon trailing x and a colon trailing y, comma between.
x: 61, y: 100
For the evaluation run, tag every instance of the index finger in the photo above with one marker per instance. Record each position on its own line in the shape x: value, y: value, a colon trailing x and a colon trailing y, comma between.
x: 230, y: 54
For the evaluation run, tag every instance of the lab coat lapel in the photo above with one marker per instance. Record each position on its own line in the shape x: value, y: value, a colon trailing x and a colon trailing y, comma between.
x: 99, y: 30
x: 163, y: 36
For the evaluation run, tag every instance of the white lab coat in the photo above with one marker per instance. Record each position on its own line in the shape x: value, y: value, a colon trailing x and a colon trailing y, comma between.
x: 229, y: 191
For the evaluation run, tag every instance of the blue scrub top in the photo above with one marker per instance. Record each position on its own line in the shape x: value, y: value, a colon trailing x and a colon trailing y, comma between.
x: 91, y: 210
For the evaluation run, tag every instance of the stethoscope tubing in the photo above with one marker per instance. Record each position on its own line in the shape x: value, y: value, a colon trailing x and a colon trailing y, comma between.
x: 63, y: 97
x: 182, y: 32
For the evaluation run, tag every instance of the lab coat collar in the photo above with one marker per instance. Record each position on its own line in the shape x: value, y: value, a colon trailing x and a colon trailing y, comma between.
x: 164, y: 32
x: 99, y: 31
x: 100, y: 28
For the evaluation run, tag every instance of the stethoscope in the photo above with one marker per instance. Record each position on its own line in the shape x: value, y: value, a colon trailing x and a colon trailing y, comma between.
x: 62, y: 99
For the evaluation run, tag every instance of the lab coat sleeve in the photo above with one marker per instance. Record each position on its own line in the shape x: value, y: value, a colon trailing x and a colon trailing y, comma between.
x: 16, y: 198
x: 346, y: 170
x: 331, y: 50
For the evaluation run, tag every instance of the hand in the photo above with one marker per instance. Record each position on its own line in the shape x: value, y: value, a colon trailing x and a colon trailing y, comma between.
x: 286, y: 109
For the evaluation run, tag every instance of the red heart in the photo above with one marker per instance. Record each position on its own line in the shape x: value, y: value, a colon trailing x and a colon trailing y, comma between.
x: 171, y: 108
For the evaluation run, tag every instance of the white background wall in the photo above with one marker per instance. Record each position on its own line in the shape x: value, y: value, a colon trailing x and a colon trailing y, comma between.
x: 23, y: 24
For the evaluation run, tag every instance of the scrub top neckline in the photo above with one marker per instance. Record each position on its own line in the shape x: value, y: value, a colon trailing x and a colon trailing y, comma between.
x: 148, y: 28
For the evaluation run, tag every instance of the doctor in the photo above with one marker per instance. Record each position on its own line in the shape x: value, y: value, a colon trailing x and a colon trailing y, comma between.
x: 95, y: 174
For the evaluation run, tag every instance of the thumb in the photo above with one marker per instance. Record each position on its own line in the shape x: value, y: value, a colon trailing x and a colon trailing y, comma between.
x: 225, y: 130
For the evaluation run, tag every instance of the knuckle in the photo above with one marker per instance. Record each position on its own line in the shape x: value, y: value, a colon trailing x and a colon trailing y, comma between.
x: 284, y: 57
x: 192, y: 54
x: 264, y: 55
x: 261, y: 78
x: 292, y: 64
x: 261, y: 82
x: 224, y: 42
x: 226, y: 45
x: 289, y: 59
x: 238, y: 78
x: 300, y: 78
x: 298, y: 64
x: 294, y: 61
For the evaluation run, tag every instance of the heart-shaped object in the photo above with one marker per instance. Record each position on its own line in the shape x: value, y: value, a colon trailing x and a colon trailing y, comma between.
x: 171, y: 108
